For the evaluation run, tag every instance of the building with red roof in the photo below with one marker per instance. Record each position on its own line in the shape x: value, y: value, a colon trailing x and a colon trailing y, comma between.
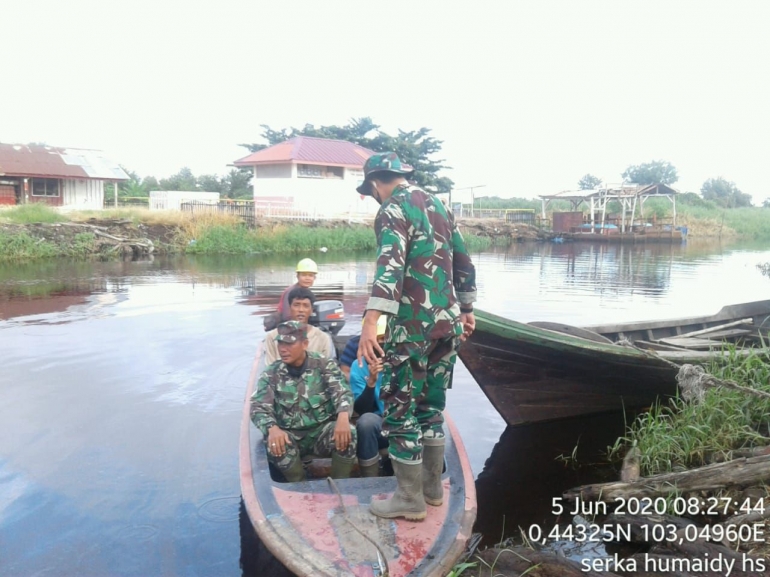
x: 317, y: 176
x: 64, y: 177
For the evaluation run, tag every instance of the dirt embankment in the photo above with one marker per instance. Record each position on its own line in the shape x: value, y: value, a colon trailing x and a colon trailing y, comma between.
x: 104, y: 237
x: 505, y: 231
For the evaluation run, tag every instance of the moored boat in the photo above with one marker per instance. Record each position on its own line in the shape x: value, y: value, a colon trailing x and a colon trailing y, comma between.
x: 320, y: 527
x: 546, y: 371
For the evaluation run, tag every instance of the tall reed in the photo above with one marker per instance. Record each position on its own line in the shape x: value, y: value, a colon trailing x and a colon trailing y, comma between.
x: 676, y: 434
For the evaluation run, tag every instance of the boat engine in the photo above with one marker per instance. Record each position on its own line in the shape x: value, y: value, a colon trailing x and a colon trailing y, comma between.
x: 328, y: 316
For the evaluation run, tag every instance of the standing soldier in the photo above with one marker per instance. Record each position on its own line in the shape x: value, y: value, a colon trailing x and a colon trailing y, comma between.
x: 426, y: 283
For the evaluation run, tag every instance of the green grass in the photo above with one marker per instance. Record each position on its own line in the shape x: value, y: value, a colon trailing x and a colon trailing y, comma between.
x: 22, y: 246
x: 31, y: 213
x: 477, y: 243
x: 677, y: 435
x: 294, y: 238
x: 223, y: 239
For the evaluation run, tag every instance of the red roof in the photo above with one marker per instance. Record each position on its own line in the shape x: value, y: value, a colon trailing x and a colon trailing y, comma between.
x: 310, y: 150
x: 53, y: 162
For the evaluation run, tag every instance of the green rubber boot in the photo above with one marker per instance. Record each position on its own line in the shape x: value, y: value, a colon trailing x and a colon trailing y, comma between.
x: 432, y: 467
x: 296, y: 472
x: 369, y: 467
x: 407, y: 501
x: 341, y: 466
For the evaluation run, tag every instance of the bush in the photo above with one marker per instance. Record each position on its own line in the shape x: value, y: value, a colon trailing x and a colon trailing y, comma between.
x: 23, y: 246
x: 30, y: 213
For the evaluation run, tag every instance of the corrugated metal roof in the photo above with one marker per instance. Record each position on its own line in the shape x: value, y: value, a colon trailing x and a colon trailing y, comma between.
x: 54, y: 162
x: 613, y: 190
x: 310, y: 150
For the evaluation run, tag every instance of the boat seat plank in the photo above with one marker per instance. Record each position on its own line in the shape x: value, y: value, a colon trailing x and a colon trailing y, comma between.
x: 716, y: 328
x: 730, y: 333
x: 656, y: 346
x: 692, y: 343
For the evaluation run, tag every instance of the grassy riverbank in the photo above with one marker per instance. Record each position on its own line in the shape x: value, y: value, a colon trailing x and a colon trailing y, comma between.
x: 682, y: 434
x: 36, y: 231
x: 673, y: 437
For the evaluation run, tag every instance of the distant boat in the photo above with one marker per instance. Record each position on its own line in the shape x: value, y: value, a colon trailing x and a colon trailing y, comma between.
x: 305, y: 526
x: 544, y: 371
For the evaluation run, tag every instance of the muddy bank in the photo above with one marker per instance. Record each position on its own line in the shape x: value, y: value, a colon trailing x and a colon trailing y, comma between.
x: 105, y: 238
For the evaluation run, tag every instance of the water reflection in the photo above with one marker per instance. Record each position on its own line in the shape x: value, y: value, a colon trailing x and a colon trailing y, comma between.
x: 527, y: 469
x: 123, y: 383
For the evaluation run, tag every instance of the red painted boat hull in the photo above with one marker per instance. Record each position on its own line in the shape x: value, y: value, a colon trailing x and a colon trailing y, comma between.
x: 305, y: 526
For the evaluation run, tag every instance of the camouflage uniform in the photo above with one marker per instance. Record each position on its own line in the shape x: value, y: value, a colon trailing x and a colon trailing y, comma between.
x: 423, y: 272
x: 305, y: 407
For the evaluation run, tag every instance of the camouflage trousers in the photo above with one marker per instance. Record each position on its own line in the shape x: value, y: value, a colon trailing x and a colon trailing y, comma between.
x: 415, y: 378
x: 318, y: 442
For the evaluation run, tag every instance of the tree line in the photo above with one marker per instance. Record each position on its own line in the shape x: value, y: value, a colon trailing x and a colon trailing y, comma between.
x: 415, y: 147
x: 234, y: 184
x: 719, y: 190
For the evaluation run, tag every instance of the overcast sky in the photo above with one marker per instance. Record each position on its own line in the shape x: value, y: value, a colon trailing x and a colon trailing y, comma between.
x: 527, y: 96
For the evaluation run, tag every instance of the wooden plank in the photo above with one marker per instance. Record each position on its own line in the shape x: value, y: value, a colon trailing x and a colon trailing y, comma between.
x: 691, y: 343
x: 730, y: 334
x: 654, y: 346
x: 715, y: 328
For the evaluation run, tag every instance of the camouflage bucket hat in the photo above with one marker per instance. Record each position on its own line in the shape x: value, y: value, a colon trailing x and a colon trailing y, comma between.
x: 291, y: 332
x: 382, y: 162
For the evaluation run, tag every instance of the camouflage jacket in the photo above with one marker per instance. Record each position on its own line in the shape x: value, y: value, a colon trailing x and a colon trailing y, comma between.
x: 423, y: 267
x: 300, y: 404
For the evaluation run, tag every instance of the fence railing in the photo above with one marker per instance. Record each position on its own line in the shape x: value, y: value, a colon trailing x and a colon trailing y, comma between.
x: 137, y: 202
x: 243, y: 209
x: 524, y: 215
x: 250, y: 212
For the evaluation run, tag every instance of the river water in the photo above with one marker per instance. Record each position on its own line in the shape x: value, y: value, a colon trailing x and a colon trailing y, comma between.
x: 122, y: 385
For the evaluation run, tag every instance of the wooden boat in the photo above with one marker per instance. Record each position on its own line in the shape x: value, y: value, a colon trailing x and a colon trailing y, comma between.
x: 545, y: 371
x: 323, y: 528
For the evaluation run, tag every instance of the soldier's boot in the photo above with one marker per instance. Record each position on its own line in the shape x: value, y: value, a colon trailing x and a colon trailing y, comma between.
x: 432, y: 467
x: 407, y: 501
x: 296, y: 472
x: 369, y: 467
x: 341, y: 466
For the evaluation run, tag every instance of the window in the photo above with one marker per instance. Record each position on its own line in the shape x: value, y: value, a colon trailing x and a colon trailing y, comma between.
x: 316, y: 171
x: 45, y: 187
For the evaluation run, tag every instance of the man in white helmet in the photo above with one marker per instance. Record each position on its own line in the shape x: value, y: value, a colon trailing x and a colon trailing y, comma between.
x: 307, y: 270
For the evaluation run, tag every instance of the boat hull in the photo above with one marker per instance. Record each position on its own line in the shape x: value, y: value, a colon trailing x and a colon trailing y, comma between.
x: 531, y: 374
x: 534, y: 373
x: 306, y: 526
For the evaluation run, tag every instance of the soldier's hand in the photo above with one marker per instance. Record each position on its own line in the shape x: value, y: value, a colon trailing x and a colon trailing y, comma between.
x: 469, y: 324
x: 368, y: 347
x: 277, y: 439
x: 342, y: 432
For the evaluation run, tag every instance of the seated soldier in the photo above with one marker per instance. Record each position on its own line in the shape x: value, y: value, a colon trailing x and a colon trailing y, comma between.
x: 301, y: 307
x: 307, y: 270
x: 303, y: 405
x: 365, y: 382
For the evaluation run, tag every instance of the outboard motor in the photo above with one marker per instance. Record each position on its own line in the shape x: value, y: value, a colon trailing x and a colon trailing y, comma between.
x: 328, y: 316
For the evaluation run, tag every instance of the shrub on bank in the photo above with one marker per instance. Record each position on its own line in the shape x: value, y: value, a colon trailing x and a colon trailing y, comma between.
x: 29, y: 213
x: 679, y: 434
x: 290, y: 238
x: 476, y: 243
x: 20, y: 246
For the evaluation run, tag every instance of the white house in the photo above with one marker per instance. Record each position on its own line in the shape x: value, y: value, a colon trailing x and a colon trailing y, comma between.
x: 62, y: 177
x: 317, y: 176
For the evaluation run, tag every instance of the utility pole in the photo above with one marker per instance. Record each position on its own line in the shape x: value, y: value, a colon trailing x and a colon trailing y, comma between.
x: 473, y: 198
